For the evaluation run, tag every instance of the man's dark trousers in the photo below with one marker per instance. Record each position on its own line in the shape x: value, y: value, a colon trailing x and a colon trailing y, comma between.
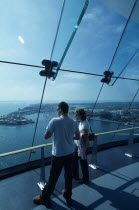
x: 75, y: 164
x: 57, y: 163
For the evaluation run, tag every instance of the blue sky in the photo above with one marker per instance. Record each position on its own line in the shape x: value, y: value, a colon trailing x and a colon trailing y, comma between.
x: 27, y: 34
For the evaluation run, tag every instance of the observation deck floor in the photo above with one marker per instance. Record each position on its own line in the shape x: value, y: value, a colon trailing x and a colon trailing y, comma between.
x: 114, y: 185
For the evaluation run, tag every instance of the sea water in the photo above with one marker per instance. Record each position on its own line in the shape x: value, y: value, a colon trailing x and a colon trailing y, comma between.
x: 13, y: 138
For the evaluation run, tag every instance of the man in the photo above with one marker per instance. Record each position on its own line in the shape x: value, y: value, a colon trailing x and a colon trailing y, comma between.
x: 65, y: 130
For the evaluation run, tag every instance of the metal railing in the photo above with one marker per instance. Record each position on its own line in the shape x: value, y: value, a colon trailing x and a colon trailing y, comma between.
x: 129, y: 152
x: 94, y: 151
x: 50, y: 144
x: 25, y: 150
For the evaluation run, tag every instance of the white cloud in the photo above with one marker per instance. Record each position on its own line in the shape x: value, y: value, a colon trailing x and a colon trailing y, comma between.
x: 75, y: 76
x: 115, y: 28
x: 19, y: 92
x: 98, y: 17
x: 94, y: 15
x: 64, y: 86
x: 70, y: 85
x: 119, y: 28
x: 65, y: 91
x: 20, y: 38
x: 122, y: 7
x: 131, y: 72
x: 52, y: 82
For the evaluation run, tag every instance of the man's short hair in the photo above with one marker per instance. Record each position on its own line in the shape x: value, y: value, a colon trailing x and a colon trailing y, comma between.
x: 64, y: 107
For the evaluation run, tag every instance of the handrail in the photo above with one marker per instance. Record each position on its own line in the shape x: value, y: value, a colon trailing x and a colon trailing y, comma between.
x: 116, y: 131
x: 50, y: 144
x: 25, y: 150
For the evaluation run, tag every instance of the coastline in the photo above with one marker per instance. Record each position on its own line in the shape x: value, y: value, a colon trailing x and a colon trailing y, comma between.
x: 112, y: 121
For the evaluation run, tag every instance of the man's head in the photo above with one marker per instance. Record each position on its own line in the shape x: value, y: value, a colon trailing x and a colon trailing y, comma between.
x: 63, y: 108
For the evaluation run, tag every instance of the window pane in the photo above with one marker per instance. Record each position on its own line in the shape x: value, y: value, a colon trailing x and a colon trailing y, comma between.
x: 21, y: 89
x: 28, y: 29
x: 129, y: 45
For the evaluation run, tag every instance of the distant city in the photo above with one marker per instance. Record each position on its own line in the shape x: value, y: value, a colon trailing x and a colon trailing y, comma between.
x: 109, y: 111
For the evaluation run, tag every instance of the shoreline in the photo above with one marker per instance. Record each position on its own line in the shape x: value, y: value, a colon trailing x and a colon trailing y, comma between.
x: 123, y: 123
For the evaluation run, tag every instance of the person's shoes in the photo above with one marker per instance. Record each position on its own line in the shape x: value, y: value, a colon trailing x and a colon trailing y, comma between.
x: 67, y: 197
x: 83, y: 181
x: 41, y: 201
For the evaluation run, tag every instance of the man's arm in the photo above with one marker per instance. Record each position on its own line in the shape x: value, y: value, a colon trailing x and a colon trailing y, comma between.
x: 47, y: 134
x: 49, y: 130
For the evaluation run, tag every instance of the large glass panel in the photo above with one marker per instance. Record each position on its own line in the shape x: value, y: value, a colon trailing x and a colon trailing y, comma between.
x: 117, y: 108
x: 23, y: 47
x: 67, y: 28
x: 129, y: 44
x: 91, y: 51
x: 76, y: 89
x: 28, y: 29
x: 31, y: 27
x: 21, y: 89
x: 96, y: 39
x: 80, y: 91
x: 132, y: 70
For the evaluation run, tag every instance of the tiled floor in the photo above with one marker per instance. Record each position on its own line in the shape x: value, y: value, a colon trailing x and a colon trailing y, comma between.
x: 114, y: 185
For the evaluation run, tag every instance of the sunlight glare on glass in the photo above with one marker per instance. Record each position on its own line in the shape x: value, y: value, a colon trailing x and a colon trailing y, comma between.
x: 20, y: 38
